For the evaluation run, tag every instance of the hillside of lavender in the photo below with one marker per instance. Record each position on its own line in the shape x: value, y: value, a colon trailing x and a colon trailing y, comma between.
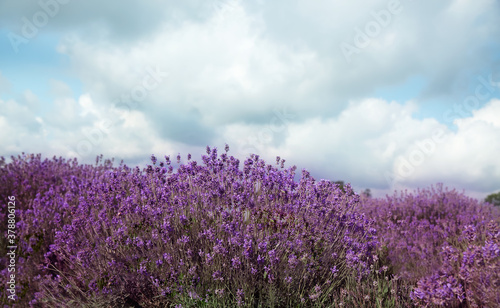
x: 225, y: 233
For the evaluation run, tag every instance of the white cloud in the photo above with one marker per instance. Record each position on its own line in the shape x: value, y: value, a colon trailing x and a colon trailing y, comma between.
x: 371, y: 138
x: 489, y: 114
x: 79, y: 128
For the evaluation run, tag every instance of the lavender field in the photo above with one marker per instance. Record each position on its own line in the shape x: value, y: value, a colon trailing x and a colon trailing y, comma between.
x: 227, y: 233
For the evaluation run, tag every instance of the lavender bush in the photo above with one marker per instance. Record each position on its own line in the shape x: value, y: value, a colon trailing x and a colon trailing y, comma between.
x: 444, y: 242
x: 46, y: 192
x: 205, y: 234
x: 217, y: 235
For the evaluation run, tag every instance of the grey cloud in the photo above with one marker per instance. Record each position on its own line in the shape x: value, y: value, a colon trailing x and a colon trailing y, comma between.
x: 183, y: 128
x: 128, y: 19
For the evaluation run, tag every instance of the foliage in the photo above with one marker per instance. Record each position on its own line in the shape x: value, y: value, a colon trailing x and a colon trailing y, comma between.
x: 493, y: 199
x: 367, y: 193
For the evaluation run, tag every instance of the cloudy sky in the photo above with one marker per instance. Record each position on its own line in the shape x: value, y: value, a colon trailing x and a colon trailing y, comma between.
x: 383, y: 94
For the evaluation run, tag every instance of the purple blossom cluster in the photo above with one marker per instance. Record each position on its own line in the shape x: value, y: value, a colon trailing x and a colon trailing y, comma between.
x: 470, y: 273
x: 47, y: 194
x: 442, y: 242
x: 158, y: 237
